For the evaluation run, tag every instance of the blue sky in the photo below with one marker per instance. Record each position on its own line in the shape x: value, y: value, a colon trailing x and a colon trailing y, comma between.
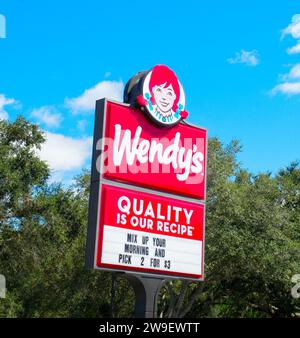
x: 237, y: 60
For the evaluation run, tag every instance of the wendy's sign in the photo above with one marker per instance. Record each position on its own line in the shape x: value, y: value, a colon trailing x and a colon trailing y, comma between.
x: 148, y: 181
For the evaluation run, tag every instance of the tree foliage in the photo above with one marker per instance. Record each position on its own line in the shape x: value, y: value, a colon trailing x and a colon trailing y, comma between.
x: 252, y: 244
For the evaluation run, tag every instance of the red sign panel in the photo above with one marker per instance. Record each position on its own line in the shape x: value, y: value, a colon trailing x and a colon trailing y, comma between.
x: 148, y: 233
x: 136, y: 151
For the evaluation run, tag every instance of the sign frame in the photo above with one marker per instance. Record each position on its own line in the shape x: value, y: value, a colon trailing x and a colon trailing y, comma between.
x: 95, y: 196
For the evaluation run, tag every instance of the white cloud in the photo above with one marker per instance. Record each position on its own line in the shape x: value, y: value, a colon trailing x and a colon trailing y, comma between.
x: 249, y: 58
x: 295, y: 72
x: 295, y: 49
x: 64, y: 153
x: 47, y: 116
x: 291, y: 83
x: 4, y: 101
x: 292, y: 75
x: 293, y: 28
x: 289, y: 88
x: 86, y: 101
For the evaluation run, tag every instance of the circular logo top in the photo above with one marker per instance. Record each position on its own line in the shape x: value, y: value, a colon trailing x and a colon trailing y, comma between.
x: 164, y: 96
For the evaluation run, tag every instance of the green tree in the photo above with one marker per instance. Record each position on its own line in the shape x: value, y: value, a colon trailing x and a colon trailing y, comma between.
x: 252, y: 241
x: 42, y: 237
x: 21, y: 171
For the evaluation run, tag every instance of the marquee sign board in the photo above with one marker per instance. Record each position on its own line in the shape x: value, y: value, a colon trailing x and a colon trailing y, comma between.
x: 149, y: 233
x: 147, y: 206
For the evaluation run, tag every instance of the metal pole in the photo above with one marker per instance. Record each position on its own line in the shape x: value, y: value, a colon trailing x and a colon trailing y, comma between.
x: 146, y: 293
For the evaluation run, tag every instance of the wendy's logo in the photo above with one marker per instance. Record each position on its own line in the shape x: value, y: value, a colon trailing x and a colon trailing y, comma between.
x: 159, y: 94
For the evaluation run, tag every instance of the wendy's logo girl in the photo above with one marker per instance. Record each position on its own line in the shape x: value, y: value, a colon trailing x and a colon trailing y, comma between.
x: 159, y: 93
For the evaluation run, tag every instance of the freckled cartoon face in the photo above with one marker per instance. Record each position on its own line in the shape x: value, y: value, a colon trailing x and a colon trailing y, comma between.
x: 164, y: 97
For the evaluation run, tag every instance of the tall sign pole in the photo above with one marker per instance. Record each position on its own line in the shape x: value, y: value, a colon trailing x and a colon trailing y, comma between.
x: 148, y: 185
